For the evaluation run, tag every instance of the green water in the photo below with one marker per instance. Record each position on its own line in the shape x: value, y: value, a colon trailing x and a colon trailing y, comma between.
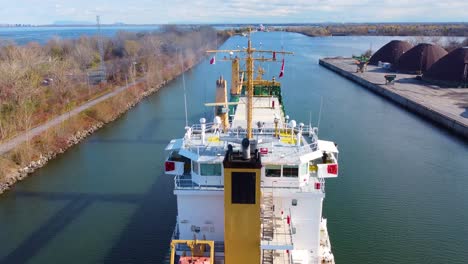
x: 402, y: 194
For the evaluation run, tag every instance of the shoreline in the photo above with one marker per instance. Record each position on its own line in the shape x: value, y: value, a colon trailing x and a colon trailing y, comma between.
x: 441, y: 106
x: 19, y: 174
x: 30, y: 150
x: 7, y: 144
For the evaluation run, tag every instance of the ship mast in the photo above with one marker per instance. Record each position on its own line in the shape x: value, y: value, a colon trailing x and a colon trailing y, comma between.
x: 250, y: 74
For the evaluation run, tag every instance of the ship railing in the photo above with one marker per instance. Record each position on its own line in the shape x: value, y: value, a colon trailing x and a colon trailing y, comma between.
x: 301, y: 150
x: 207, y: 150
x: 241, y: 133
x: 218, y: 247
x: 309, y: 147
x: 304, y: 149
x: 255, y: 131
x: 238, y: 131
x: 197, y: 127
x: 306, y: 130
x: 281, y: 184
x: 270, y: 130
x: 296, y: 186
x: 185, y: 182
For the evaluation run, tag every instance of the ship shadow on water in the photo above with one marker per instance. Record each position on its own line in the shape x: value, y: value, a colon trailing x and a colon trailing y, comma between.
x: 147, y: 236
x: 46, y: 232
x: 145, y: 239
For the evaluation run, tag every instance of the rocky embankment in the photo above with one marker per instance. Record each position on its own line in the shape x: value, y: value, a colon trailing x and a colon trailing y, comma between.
x: 17, y: 175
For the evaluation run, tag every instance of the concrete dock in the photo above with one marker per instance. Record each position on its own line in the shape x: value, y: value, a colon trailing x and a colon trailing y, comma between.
x: 447, y: 107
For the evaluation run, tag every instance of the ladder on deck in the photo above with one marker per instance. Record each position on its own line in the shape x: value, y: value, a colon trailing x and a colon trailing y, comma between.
x: 268, y: 224
x: 267, y: 257
x: 268, y: 216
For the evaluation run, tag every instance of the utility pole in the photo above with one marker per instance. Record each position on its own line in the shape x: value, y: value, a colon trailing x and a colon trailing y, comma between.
x: 102, y: 66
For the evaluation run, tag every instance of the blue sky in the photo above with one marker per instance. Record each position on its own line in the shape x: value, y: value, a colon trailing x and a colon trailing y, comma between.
x: 233, y: 11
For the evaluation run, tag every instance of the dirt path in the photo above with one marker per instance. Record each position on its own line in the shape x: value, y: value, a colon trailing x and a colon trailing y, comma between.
x: 12, y: 143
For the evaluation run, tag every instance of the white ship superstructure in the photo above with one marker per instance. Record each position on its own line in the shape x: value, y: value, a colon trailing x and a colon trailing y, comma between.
x: 251, y: 196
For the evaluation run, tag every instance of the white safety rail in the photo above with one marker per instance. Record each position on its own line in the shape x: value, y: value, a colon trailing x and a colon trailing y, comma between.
x: 296, y: 186
x: 304, y: 149
x: 184, y: 182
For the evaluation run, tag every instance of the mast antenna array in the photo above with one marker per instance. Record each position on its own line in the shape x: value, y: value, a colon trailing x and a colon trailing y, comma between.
x: 249, y: 51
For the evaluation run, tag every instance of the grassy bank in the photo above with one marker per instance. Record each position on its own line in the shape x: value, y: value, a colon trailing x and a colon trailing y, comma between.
x: 26, y: 157
x: 40, y: 82
x: 173, y: 52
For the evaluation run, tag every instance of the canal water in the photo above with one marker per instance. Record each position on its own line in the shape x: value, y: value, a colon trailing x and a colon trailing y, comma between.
x: 402, y: 194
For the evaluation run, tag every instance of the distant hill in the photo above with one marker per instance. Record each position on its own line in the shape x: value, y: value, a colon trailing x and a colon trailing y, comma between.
x: 72, y: 22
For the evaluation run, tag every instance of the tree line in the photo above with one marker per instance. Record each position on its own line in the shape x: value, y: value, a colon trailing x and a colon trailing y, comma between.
x: 39, y: 82
x: 410, y: 29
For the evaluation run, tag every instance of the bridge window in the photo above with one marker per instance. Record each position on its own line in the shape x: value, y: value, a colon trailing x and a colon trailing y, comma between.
x: 290, y: 171
x: 273, y: 170
x: 243, y: 188
x: 210, y: 169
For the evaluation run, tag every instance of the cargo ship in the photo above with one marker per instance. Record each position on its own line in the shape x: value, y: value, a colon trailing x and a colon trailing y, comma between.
x: 250, y: 184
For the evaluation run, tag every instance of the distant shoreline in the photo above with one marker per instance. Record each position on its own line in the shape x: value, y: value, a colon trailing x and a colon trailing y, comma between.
x: 90, y: 24
x: 454, y: 29
x: 430, y: 29
x: 78, y: 25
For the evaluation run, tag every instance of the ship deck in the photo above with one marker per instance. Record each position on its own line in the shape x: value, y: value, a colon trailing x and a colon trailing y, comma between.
x: 282, y: 150
x: 265, y: 110
x: 280, y: 144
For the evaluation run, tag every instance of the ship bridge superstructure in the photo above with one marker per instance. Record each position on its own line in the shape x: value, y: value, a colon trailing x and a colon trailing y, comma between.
x: 295, y: 164
x: 251, y: 158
